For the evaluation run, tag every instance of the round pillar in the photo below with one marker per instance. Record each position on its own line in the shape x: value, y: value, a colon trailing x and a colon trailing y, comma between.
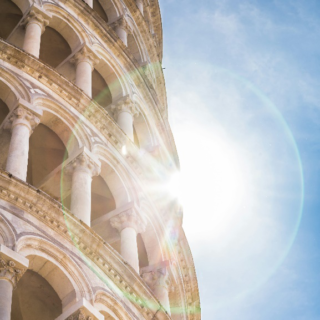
x: 124, y: 113
x: 121, y: 28
x: 129, y: 247
x: 35, y: 25
x: 140, y: 5
x: 85, y: 60
x: 22, y: 122
x: 129, y: 223
x: 6, y: 289
x: 89, y: 3
x: 83, y: 168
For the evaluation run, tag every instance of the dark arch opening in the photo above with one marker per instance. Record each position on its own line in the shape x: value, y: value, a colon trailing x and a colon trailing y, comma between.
x: 100, y: 90
x: 135, y: 138
x: 102, y: 200
x: 10, y: 15
x: 133, y: 47
x: 5, y: 135
x: 4, y: 111
x: 35, y: 299
x: 97, y: 7
x: 46, y: 152
x: 142, y: 252
x: 54, y: 48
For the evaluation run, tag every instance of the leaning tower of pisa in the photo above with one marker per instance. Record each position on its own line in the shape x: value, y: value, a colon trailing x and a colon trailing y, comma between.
x: 88, y: 230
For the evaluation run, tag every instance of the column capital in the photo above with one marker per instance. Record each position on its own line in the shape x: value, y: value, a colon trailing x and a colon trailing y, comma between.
x: 130, y: 218
x: 157, y: 276
x: 125, y: 104
x: 81, y: 310
x: 121, y: 23
x: 83, y: 160
x: 38, y: 16
x: 23, y: 114
x: 12, y: 265
x: 85, y: 54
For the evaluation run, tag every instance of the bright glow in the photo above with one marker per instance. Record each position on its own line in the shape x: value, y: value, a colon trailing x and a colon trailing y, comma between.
x: 124, y: 150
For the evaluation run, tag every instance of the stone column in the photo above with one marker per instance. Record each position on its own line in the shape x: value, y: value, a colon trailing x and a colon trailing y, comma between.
x: 122, y: 29
x: 129, y: 223
x: 83, y: 167
x: 124, y: 113
x: 85, y: 59
x: 12, y: 268
x: 140, y: 5
x: 22, y: 120
x: 35, y: 23
x: 81, y: 310
x: 158, y: 280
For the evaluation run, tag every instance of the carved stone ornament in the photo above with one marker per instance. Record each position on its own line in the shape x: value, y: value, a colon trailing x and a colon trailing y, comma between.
x: 35, y: 16
x: 80, y: 315
x: 22, y: 116
x: 125, y: 105
x: 157, y: 278
x: 85, y: 55
x: 10, y: 272
x: 121, y: 23
x: 129, y: 218
x: 83, y: 162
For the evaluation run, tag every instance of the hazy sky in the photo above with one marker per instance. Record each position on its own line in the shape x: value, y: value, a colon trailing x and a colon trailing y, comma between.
x: 243, y: 83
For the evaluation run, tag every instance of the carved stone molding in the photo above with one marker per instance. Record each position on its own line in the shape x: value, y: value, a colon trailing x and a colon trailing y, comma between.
x: 86, y: 54
x: 157, y: 278
x: 125, y: 105
x: 12, y: 265
x: 121, y: 23
x: 23, y: 114
x: 85, y: 161
x: 37, y: 16
x: 129, y: 218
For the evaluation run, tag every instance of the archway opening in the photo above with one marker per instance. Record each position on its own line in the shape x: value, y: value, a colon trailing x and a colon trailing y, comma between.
x: 142, y: 252
x: 54, y: 48
x: 97, y: 7
x: 5, y: 135
x: 4, y: 111
x: 10, y: 15
x: 133, y: 47
x: 35, y: 299
x: 102, y: 200
x: 100, y: 89
x: 46, y: 152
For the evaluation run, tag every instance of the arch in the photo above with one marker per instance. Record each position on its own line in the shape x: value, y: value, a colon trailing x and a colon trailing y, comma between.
x: 98, y: 7
x: 67, y: 26
x: 23, y: 5
x: 112, y: 74
x: 135, y: 48
x: 11, y: 89
x: 4, y: 111
x: 56, y: 267
x: 100, y: 90
x: 111, y: 8
x: 7, y: 236
x: 10, y: 15
x: 54, y: 48
x: 108, y: 305
x: 34, y: 298
x: 46, y: 153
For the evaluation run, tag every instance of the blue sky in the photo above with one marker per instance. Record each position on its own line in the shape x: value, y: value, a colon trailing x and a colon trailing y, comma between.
x: 243, y: 81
